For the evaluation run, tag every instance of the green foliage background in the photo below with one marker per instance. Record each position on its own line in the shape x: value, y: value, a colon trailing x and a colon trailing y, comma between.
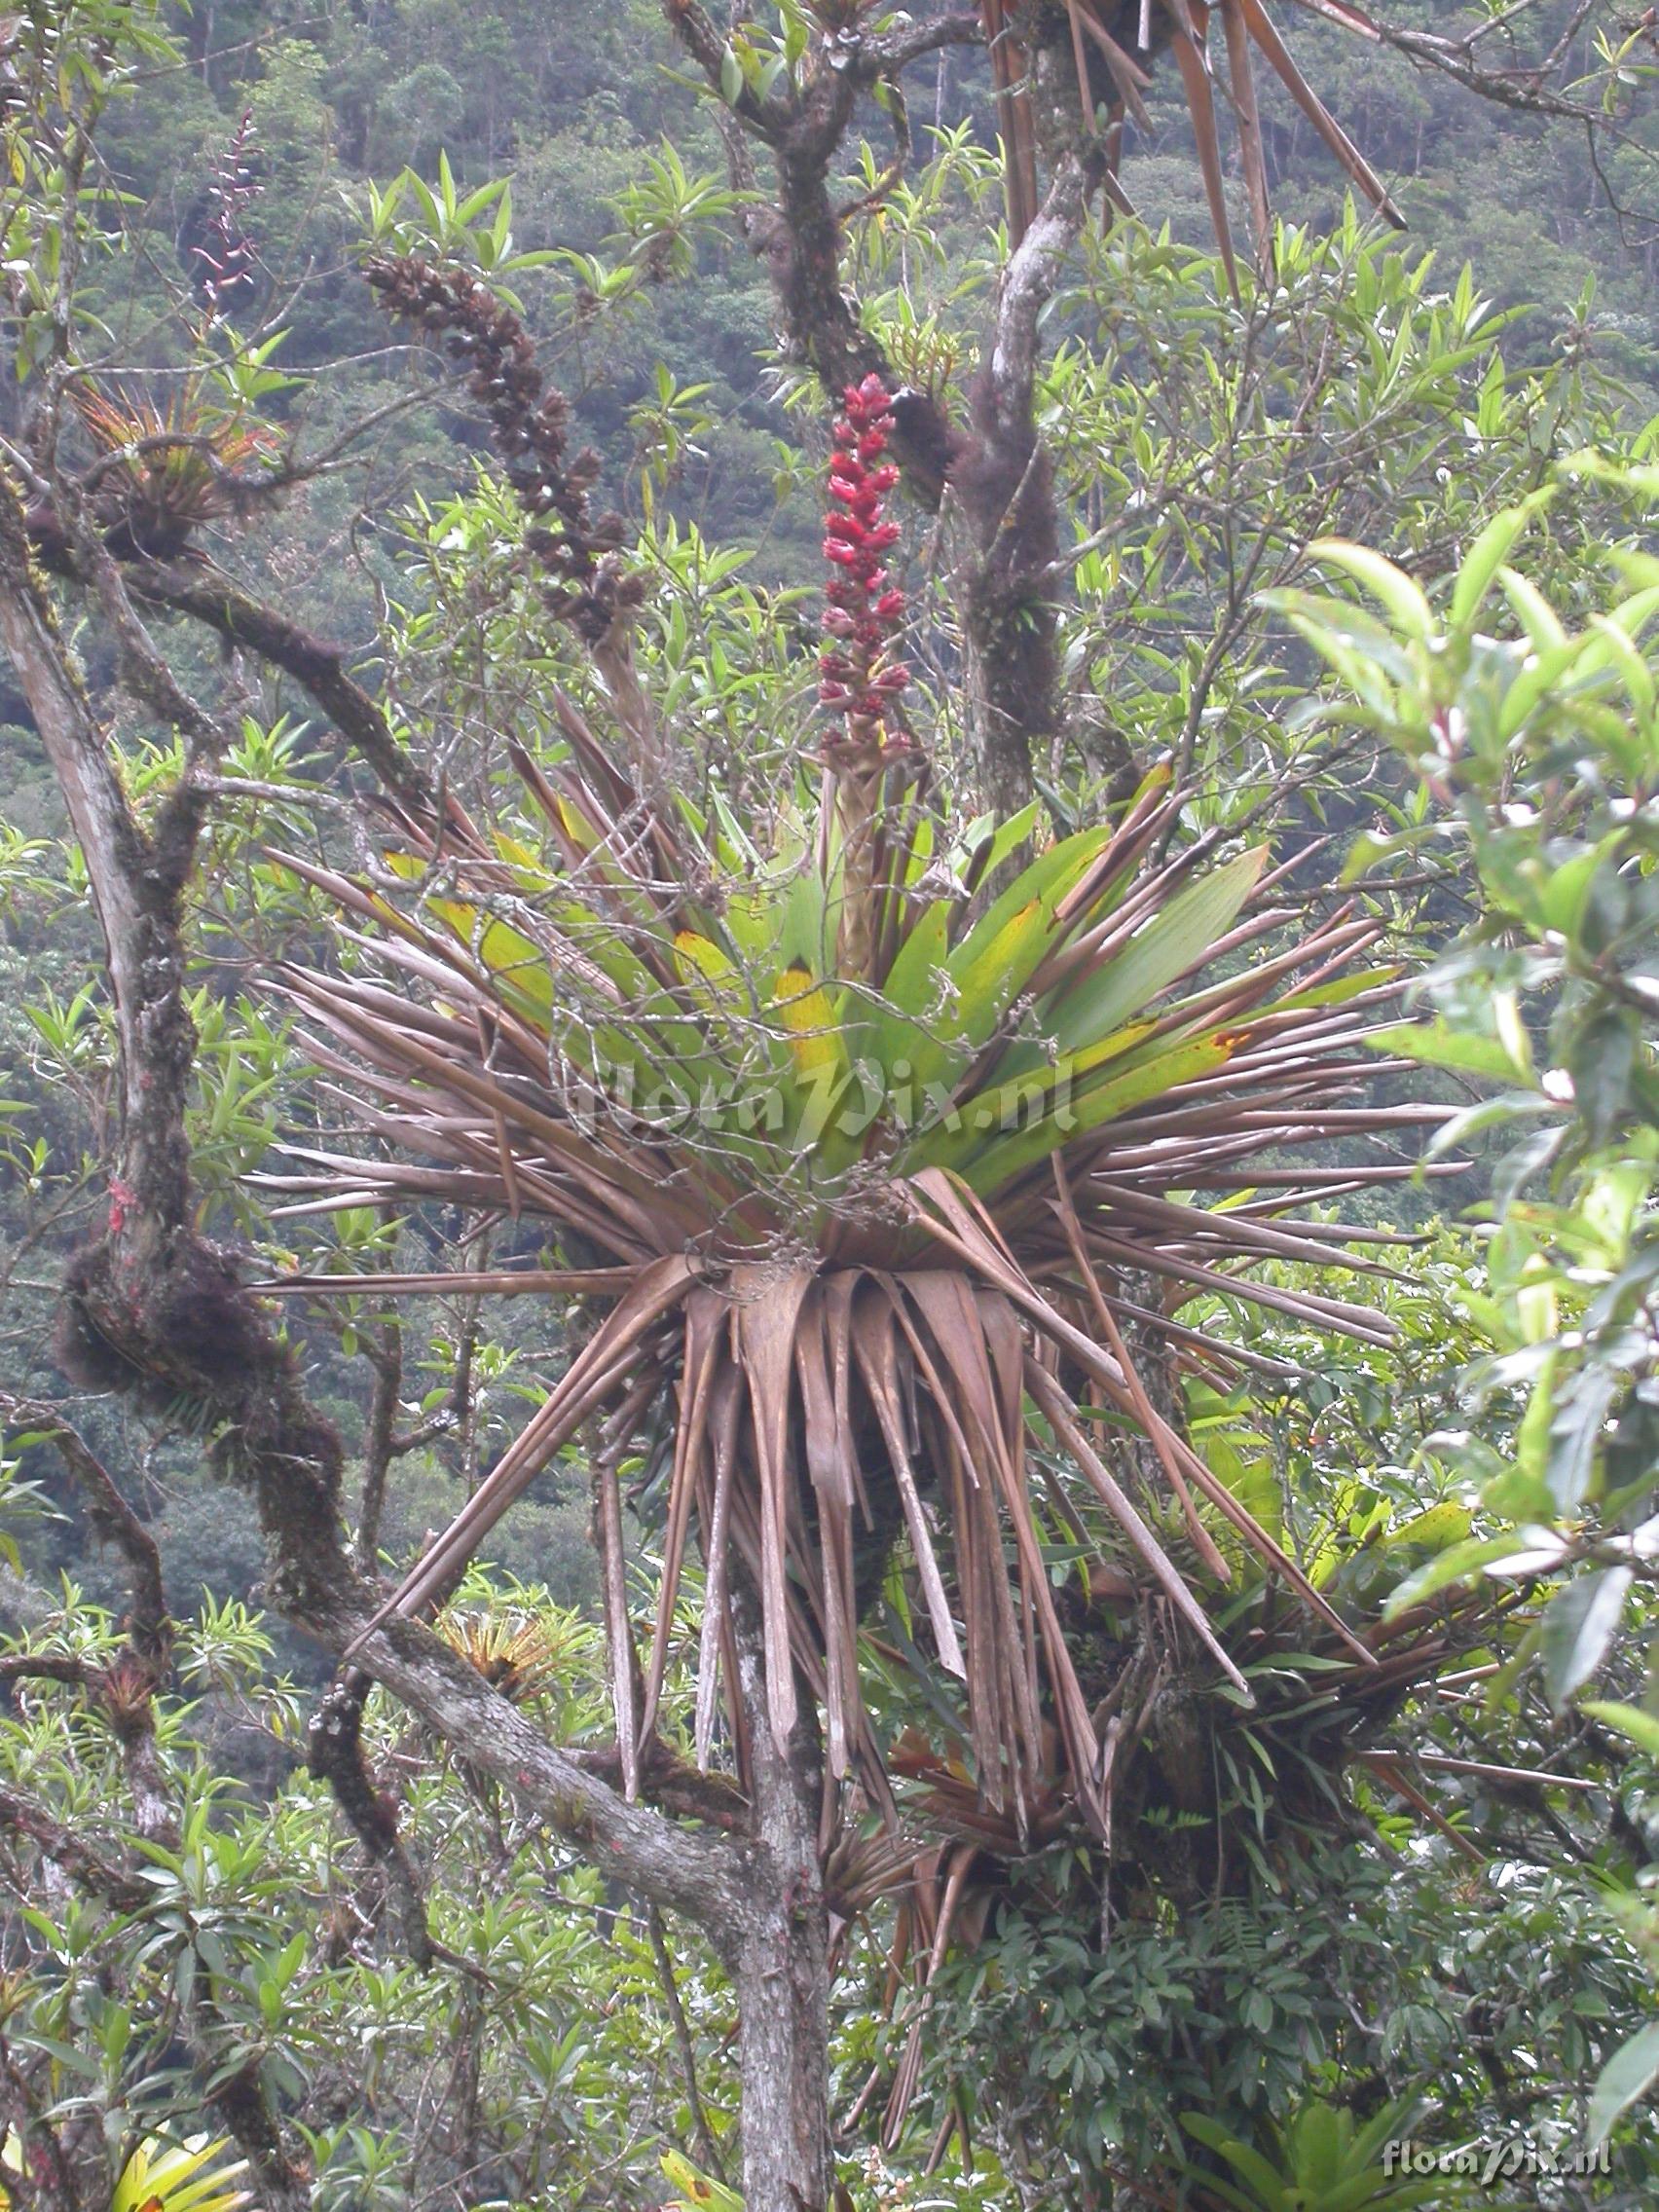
x: 1386, y: 1966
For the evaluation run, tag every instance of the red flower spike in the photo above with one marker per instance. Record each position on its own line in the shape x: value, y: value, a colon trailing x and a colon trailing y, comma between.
x: 864, y: 612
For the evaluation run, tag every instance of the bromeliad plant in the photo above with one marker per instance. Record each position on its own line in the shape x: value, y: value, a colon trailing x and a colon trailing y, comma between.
x: 164, y: 470
x: 877, y: 1178
x: 1319, y: 2158
x: 189, y: 2177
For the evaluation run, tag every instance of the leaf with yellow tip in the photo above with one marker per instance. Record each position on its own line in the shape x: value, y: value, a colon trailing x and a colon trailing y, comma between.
x: 695, y: 955
x: 819, y: 1069
x: 575, y: 824
x: 1435, y: 1528
x: 697, y: 2192
x: 179, y: 2177
x: 520, y: 854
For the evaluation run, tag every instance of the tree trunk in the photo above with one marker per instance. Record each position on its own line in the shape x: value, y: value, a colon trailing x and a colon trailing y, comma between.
x: 782, y: 1966
x: 1005, y: 490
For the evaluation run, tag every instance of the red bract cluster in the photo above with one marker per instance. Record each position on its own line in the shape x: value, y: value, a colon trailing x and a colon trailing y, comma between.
x: 859, y: 679
x: 221, y: 258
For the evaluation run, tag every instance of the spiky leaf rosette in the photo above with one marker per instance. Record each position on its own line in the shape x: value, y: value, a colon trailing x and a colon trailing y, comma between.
x: 179, y: 2177
x: 877, y: 1236
x: 167, y: 470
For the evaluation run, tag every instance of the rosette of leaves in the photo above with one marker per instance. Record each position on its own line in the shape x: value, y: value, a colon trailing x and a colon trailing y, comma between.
x: 518, y: 1658
x: 1320, y: 2157
x: 874, y: 1232
x: 165, y: 469
x: 179, y: 2177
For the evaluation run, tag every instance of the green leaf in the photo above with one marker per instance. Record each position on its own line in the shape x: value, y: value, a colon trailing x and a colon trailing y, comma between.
x: 1576, y: 1429
x: 1354, y: 642
x: 1440, y: 1044
x: 1642, y: 1728
x: 1580, y: 1623
x: 1250, y: 2164
x: 697, y: 2192
x: 901, y: 1027
x: 179, y: 2178
x: 1565, y: 890
x: 1170, y: 943
x: 1044, y: 884
x: 988, y: 968
x: 1457, y: 1565
x: 1491, y: 549
x: 1436, y: 1527
x: 1627, y: 2074
x: 1404, y: 600
x: 1021, y: 1101
x: 1003, y: 837
x: 1535, y: 612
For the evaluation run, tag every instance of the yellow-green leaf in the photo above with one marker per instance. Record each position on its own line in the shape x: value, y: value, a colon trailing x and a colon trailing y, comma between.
x: 697, y: 2192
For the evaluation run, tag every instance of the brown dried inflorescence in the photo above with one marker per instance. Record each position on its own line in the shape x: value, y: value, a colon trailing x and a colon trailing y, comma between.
x: 529, y: 425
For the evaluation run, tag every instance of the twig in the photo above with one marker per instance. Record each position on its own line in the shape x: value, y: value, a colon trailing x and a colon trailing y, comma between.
x: 707, y: 2146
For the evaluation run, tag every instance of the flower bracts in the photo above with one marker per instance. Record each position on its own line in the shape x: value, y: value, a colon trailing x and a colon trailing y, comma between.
x: 860, y: 681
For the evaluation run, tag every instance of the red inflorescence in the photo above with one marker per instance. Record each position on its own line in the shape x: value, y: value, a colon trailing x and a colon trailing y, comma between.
x: 223, y: 261
x: 859, y: 679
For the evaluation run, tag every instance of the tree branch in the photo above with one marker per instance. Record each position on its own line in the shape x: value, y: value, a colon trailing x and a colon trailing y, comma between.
x: 135, y: 908
x: 799, y: 237
x: 209, y: 596
x: 152, y: 1310
x: 1523, y: 86
x: 336, y: 1757
x: 705, y: 1877
x: 114, y: 1522
x: 708, y: 2149
x: 113, y: 1886
x: 1003, y: 485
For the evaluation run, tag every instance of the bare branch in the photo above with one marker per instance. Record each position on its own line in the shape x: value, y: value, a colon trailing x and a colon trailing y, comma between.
x: 703, y: 1877
x: 112, y: 1885
x: 708, y: 2149
x: 112, y: 1520
x: 210, y: 596
x: 336, y: 1757
x: 135, y: 907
